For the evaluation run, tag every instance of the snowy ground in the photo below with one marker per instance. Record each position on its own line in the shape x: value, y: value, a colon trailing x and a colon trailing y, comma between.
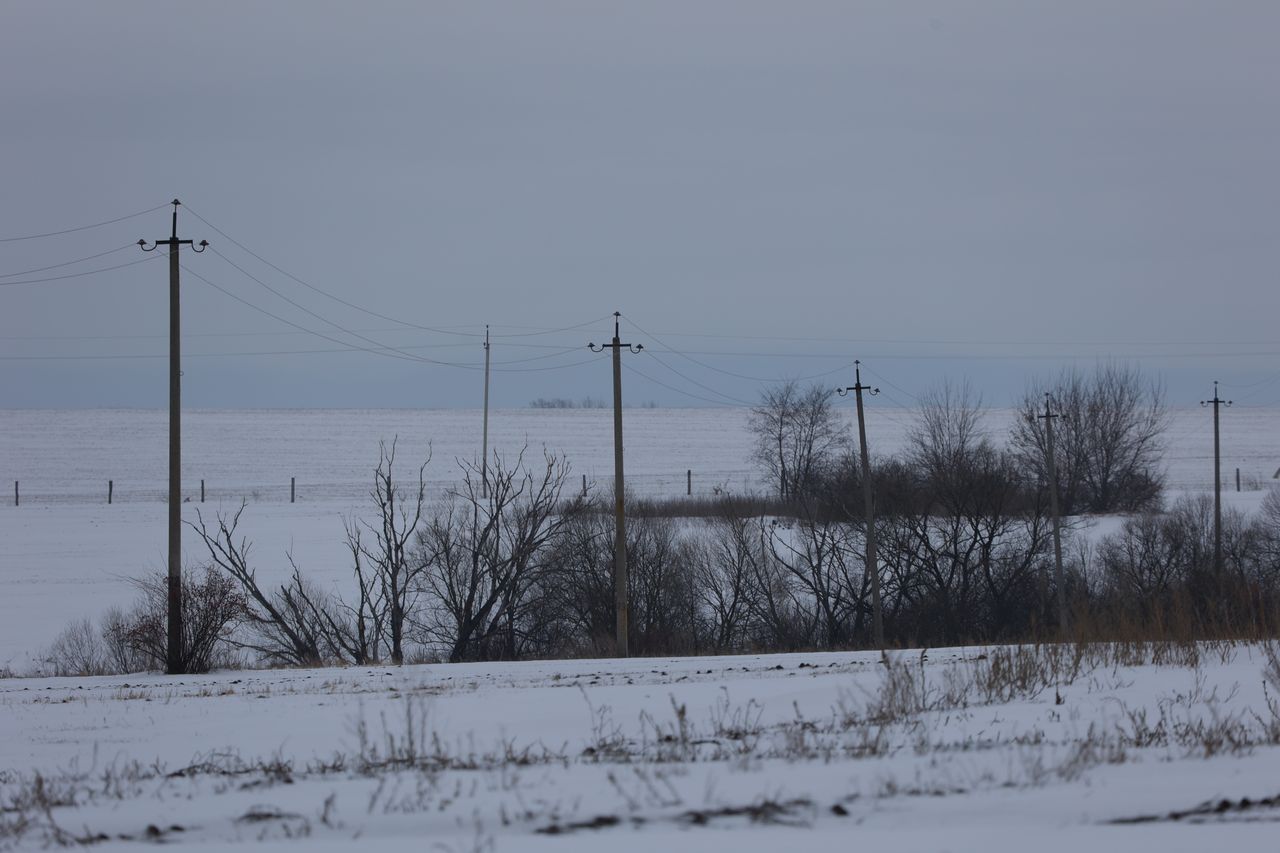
x: 1167, y: 748
x: 1131, y: 750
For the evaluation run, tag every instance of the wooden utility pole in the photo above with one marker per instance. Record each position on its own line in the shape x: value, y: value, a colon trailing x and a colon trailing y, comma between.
x: 1051, y: 468
x: 484, y: 442
x: 868, y: 503
x: 620, y: 600
x: 173, y: 650
x: 1217, y: 403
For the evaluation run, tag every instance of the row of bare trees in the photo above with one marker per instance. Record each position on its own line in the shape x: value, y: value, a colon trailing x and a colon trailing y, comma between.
x: 965, y: 566
x: 507, y: 564
x: 1108, y: 437
x: 519, y: 570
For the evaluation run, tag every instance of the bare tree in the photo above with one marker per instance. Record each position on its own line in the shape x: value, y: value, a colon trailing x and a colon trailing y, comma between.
x: 287, y: 624
x: 819, y: 557
x: 1108, y: 438
x: 479, y: 557
x: 296, y: 623
x: 577, y: 601
x: 385, y: 573
x: 664, y: 611
x: 797, y: 436
x: 965, y: 550
x: 725, y: 569
x: 947, y: 434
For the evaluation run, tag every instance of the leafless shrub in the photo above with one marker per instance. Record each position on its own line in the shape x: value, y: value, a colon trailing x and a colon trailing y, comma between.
x: 212, y: 607
x: 78, y: 650
x: 903, y: 692
x: 1007, y: 673
x: 1271, y: 670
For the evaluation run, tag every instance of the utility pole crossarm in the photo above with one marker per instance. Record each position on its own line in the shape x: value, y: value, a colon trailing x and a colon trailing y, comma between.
x: 620, y: 596
x: 174, y: 656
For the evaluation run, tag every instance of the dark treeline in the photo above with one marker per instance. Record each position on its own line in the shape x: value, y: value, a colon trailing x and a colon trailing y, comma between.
x: 520, y: 565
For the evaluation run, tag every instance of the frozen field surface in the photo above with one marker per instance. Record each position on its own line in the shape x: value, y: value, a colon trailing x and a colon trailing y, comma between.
x: 1156, y: 748
x: 68, y: 555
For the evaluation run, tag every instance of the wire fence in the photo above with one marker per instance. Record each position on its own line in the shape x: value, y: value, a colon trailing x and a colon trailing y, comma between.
x: 303, y: 490
x: 689, y: 482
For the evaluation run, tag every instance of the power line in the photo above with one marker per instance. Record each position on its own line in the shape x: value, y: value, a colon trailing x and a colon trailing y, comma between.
x: 437, y: 329
x: 83, y: 227
x: 549, y: 367
x: 693, y: 381
x: 78, y: 274
x: 892, y: 384
x: 273, y: 333
x: 378, y: 349
x: 322, y: 335
x: 688, y: 357
x: 688, y: 394
x: 1264, y: 381
x: 69, y: 263
x: 323, y: 319
x: 962, y: 342
x: 380, y: 345
x: 343, y: 349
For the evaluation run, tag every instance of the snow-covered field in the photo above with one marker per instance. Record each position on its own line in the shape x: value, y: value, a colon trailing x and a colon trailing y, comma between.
x: 1166, y: 748
x: 68, y: 555
x: 829, y: 751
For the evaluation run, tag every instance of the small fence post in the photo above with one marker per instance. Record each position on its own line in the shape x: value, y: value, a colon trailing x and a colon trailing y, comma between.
x: 293, y: 492
x: 689, y: 484
x: 202, y: 491
x: 1237, y: 479
x: 15, y: 492
x: 111, y: 487
x: 584, y: 485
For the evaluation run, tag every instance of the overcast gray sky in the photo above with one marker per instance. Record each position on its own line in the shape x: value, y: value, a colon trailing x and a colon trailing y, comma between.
x: 770, y: 189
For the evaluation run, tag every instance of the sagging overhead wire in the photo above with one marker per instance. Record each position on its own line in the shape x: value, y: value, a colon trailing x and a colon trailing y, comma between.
x: 378, y: 344
x: 78, y: 274
x: 692, y: 381
x: 891, y: 383
x: 378, y: 348
x: 962, y: 342
x: 322, y: 335
x: 341, y: 349
x: 84, y: 227
x: 436, y: 329
x: 659, y: 382
x: 666, y: 346
x: 69, y: 263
